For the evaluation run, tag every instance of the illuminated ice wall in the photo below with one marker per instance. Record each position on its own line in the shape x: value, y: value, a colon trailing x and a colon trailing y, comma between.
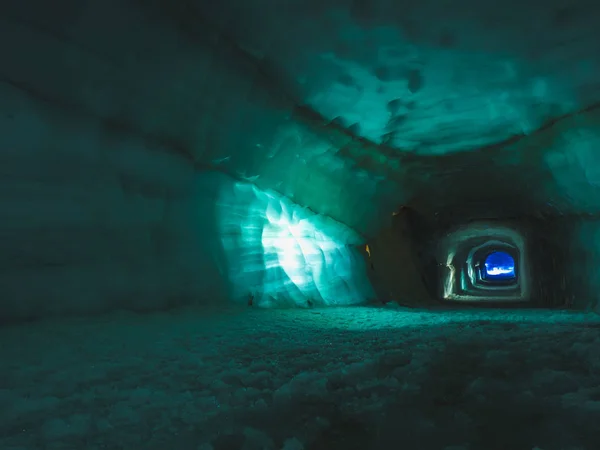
x: 119, y: 154
x: 281, y: 254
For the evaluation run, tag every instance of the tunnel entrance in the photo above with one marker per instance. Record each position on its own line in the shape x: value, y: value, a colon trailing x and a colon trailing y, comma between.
x: 494, y: 265
x: 498, y: 266
x: 484, y: 262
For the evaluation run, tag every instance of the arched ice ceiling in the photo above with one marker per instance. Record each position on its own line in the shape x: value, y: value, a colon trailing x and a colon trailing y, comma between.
x: 515, y: 84
x: 425, y: 76
x: 347, y: 107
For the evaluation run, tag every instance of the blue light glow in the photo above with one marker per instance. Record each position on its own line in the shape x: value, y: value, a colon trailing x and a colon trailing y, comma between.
x: 499, y: 266
x: 281, y: 254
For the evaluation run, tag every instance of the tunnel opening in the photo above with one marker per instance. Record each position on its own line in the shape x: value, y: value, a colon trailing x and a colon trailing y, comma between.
x: 498, y: 266
x: 494, y: 265
x: 484, y: 262
x: 472, y: 255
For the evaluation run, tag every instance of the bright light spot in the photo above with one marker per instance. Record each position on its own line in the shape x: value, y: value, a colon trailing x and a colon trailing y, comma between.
x: 450, y: 276
x: 500, y: 265
x: 301, y: 251
x: 319, y: 265
x: 499, y: 270
x: 285, y: 255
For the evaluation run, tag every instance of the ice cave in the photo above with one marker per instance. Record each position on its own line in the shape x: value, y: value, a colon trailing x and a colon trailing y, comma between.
x: 300, y: 225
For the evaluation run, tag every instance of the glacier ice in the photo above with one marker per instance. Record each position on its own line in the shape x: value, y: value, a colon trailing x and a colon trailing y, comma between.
x: 283, y: 254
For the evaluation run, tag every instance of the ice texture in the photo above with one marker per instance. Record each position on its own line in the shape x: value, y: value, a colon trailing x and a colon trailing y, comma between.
x: 290, y: 379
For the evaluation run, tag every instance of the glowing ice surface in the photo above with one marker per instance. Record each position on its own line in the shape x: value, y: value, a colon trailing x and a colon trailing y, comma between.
x: 283, y: 254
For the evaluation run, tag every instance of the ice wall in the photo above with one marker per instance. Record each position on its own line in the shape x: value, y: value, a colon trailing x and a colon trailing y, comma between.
x: 583, y: 264
x: 94, y: 218
x: 281, y: 254
x: 571, y: 155
x: 91, y: 218
x: 130, y: 132
x: 394, y: 267
x: 159, y: 71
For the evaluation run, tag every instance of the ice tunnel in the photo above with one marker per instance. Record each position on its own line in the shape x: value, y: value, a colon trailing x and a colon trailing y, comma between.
x: 299, y: 225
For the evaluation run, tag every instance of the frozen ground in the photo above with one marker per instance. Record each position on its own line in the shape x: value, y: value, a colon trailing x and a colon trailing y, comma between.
x: 353, y: 378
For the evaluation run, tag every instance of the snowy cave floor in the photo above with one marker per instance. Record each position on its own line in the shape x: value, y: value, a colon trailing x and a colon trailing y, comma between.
x: 343, y: 378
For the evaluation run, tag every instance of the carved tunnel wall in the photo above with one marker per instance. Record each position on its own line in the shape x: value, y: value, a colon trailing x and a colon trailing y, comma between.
x: 138, y: 169
x: 131, y: 130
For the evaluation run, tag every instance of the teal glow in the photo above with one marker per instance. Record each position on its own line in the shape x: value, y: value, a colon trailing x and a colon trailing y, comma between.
x: 302, y: 251
x: 284, y: 255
